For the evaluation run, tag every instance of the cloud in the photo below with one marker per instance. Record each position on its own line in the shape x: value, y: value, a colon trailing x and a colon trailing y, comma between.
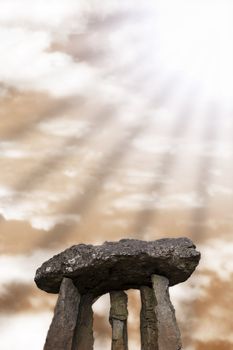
x: 13, y: 150
x: 31, y: 66
x: 218, y: 190
x: 214, y: 345
x: 22, y: 206
x: 22, y: 297
x: 52, y: 14
x: 71, y: 15
x: 182, y: 146
x: 179, y: 201
x: 65, y: 126
x: 206, y: 296
x: 215, y: 265
x: 101, y: 327
x: 214, y: 305
x: 35, y: 52
x: 21, y: 268
x: 151, y: 145
x: 29, y: 31
x: 48, y: 222
x: 217, y: 257
x: 200, y: 300
x: 24, y: 331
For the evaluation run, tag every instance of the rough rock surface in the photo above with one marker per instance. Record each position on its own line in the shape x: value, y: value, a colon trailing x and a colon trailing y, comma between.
x: 62, y: 328
x: 148, y: 320
x: 83, y: 335
x: 167, y: 328
x: 118, y: 320
x: 121, y: 265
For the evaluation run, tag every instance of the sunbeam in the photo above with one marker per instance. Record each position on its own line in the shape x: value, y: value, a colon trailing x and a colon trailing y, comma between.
x: 194, y: 38
x: 116, y: 122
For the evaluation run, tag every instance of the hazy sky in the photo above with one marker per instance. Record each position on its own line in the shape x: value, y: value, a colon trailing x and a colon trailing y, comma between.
x: 116, y: 121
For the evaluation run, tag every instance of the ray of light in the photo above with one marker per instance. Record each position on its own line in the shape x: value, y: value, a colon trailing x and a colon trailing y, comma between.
x: 168, y: 159
x: 195, y: 39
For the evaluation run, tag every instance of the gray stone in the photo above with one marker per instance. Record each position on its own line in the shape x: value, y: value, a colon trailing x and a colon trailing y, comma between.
x: 121, y: 265
x: 168, y: 331
x: 118, y: 320
x: 83, y: 334
x: 62, y: 328
x: 148, y: 321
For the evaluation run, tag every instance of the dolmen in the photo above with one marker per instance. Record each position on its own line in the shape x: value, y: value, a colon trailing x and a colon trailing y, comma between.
x: 83, y: 273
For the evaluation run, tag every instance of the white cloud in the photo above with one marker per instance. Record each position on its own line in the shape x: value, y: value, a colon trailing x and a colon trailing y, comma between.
x: 104, y: 344
x: 70, y: 172
x: 24, y: 331
x: 13, y: 150
x: 183, y: 146
x: 193, y: 289
x: 181, y: 48
x: 152, y: 145
x: 52, y: 12
x: 21, y: 268
x: 36, y: 207
x: 69, y: 14
x: 102, y: 305
x: 217, y: 257
x: 26, y: 64
x: 65, y: 126
x: 5, y: 191
x: 28, y: 30
x: 179, y: 201
x: 219, y: 190
x: 145, y: 178
x: 48, y: 222
x: 49, y: 13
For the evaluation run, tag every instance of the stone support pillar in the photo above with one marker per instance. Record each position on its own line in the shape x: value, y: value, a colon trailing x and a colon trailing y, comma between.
x: 118, y: 320
x: 148, y: 322
x: 61, y: 330
x: 112, y: 266
x: 83, y: 335
x: 168, y: 331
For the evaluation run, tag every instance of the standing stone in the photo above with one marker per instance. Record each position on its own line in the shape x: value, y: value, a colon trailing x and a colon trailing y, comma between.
x: 61, y: 330
x: 168, y: 331
x: 118, y: 320
x: 83, y: 334
x: 148, y: 322
x: 116, y: 266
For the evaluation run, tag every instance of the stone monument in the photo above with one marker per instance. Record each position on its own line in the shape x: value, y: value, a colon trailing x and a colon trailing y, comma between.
x: 82, y: 273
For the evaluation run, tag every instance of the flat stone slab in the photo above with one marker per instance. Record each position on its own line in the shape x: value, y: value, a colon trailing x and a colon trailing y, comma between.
x: 129, y: 263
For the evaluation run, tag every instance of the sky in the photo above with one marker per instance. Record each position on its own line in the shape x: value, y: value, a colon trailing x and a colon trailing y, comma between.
x: 116, y: 121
